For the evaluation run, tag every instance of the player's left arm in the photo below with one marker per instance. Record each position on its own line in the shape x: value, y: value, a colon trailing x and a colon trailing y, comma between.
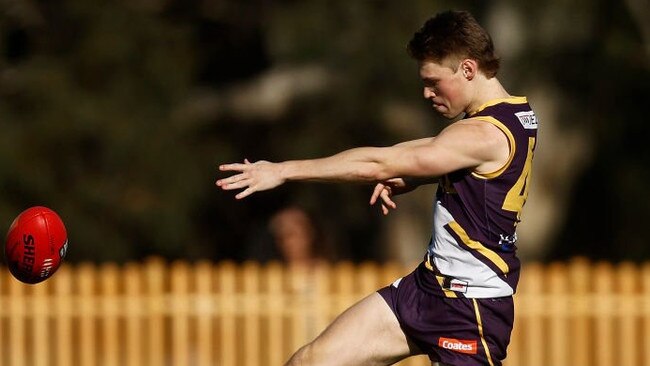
x: 464, y: 144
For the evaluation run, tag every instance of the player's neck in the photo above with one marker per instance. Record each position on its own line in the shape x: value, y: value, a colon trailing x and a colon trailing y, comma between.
x: 487, y: 90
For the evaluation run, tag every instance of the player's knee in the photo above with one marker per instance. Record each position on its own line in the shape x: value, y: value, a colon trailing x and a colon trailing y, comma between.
x: 303, y: 357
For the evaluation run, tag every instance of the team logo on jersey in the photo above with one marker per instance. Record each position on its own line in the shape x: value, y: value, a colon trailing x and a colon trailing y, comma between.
x: 527, y: 119
x: 459, y: 345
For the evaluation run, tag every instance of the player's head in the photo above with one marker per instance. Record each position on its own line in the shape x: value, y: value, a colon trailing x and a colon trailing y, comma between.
x: 453, y: 52
x: 452, y: 36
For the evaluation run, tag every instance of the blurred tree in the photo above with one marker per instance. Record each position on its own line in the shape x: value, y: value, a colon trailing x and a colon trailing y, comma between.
x: 116, y: 114
x: 87, y: 114
x: 606, y: 79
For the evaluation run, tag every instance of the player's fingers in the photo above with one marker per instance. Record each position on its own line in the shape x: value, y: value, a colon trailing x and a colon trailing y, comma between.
x: 236, y: 185
x: 375, y: 193
x: 238, y: 167
x: 245, y: 193
x: 232, y: 179
x: 386, y: 209
x: 385, y: 196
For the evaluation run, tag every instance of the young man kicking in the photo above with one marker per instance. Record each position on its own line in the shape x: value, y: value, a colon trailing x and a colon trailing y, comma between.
x: 456, y: 306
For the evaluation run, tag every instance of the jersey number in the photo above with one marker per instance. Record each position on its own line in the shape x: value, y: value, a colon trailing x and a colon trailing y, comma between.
x: 517, y: 195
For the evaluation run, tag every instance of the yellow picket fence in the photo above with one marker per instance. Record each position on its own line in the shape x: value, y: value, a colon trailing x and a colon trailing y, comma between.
x: 153, y: 313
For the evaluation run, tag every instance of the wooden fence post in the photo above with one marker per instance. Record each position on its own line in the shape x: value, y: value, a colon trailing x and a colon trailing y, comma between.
x: 559, y: 318
x: 276, y: 314
x: 344, y: 294
x: 17, y: 320
x: 251, y: 341
x: 108, y: 302
x: 299, y: 302
x: 532, y: 287
x: 627, y: 307
x: 368, y: 276
x: 64, y: 307
x: 323, y: 291
x: 134, y: 307
x: 205, y: 308
x: 227, y: 305
x: 86, y: 275
x: 604, y: 307
x: 579, y: 333
x: 155, y: 277
x: 179, y: 301
x: 645, y: 293
x: 40, y: 324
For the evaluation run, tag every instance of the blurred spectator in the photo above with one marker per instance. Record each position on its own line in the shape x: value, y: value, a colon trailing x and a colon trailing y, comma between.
x: 295, y: 236
x: 291, y: 235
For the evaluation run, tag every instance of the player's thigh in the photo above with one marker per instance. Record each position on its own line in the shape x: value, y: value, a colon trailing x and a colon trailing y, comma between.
x: 368, y: 333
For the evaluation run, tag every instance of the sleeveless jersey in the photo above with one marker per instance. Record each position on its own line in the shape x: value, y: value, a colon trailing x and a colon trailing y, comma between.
x: 472, y: 249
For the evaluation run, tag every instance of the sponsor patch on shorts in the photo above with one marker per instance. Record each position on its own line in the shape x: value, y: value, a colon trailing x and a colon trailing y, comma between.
x: 459, y: 345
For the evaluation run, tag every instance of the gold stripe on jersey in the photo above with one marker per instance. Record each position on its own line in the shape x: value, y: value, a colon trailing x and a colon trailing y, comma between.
x: 448, y: 293
x: 480, y: 332
x: 441, y: 281
x: 509, y: 100
x: 473, y: 244
x: 511, y: 142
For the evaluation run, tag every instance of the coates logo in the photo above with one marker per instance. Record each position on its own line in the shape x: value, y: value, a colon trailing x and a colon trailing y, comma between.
x: 458, y: 345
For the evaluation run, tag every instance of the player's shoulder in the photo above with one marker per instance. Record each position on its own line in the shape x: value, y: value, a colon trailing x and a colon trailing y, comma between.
x: 475, y: 128
x: 475, y: 137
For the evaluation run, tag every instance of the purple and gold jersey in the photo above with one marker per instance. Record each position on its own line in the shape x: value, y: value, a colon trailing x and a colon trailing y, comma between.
x: 472, y: 249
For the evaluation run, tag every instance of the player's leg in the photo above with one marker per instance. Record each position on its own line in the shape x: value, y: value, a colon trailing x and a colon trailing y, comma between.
x: 368, y: 333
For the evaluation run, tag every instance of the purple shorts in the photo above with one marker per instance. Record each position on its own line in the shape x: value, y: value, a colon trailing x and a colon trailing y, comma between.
x: 455, y: 331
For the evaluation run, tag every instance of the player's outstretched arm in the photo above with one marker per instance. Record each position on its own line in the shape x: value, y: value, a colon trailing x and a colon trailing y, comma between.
x: 362, y: 164
x: 458, y: 146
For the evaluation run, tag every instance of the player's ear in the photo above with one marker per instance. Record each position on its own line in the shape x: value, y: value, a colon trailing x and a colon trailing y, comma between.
x: 469, y: 68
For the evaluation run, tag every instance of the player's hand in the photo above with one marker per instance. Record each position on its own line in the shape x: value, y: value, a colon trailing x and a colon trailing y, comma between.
x: 251, y: 177
x: 385, y: 191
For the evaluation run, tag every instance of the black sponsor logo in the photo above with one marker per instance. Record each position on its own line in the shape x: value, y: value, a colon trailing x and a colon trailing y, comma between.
x: 29, y: 253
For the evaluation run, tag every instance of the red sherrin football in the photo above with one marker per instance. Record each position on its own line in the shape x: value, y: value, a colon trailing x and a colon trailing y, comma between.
x: 36, y: 244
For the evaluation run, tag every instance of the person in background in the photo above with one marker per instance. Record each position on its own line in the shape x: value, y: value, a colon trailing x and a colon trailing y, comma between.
x: 294, y: 235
